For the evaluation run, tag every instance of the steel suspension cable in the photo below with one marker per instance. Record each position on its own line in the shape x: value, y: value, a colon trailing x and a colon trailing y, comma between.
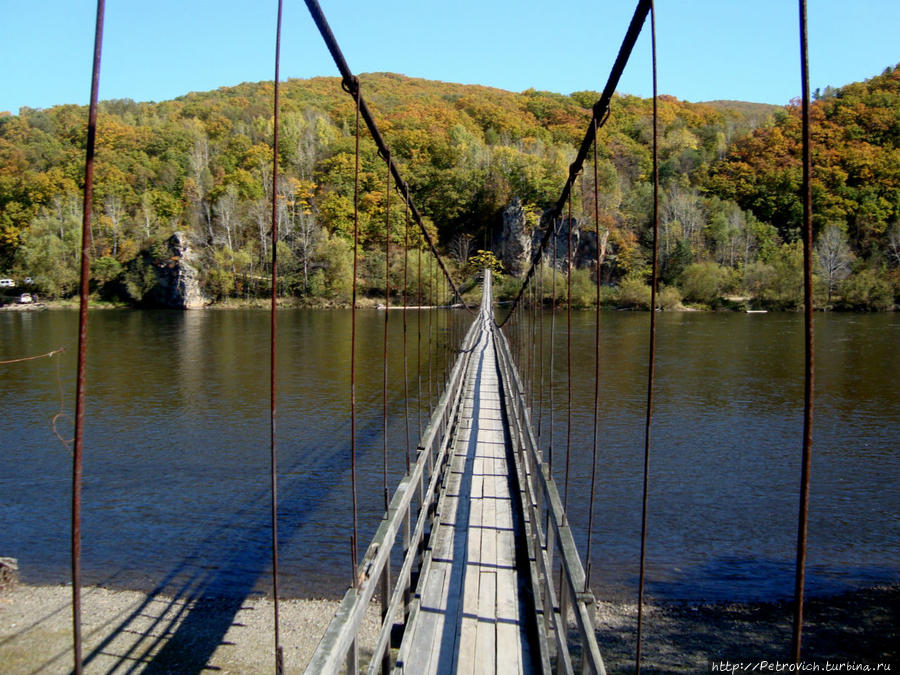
x: 440, y: 345
x: 809, y: 361
x: 81, y: 372
x: 590, y: 532
x: 568, y: 354
x: 355, y: 539
x: 600, y: 113
x: 552, y: 340
x: 533, y: 356
x: 447, y: 346
x: 405, y: 309
x: 431, y: 338
x: 651, y: 366
x: 349, y: 83
x: 273, y: 457
x: 385, y: 580
x: 419, y: 340
x: 540, y: 415
x: 387, y: 314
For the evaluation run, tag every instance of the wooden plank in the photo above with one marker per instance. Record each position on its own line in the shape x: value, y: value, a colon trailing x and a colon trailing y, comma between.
x: 510, y: 631
x: 569, y: 558
x: 341, y: 632
x: 486, y: 632
x: 419, y: 652
x: 480, y: 605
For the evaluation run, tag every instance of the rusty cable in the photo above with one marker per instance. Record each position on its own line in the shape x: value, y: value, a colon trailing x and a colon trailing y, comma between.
x: 555, y: 224
x: 279, y: 654
x: 533, y: 355
x: 444, y: 318
x: 431, y: 339
x: 419, y: 339
x: 540, y: 293
x: 601, y: 113
x: 520, y: 322
x: 809, y: 361
x: 349, y: 83
x: 590, y: 532
x: 568, y: 356
x: 355, y: 540
x: 61, y: 413
x: 32, y: 358
x: 81, y: 377
x: 651, y: 367
x: 405, y: 308
x: 387, y: 314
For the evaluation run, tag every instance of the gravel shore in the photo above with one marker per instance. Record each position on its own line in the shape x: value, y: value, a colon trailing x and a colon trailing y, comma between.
x: 128, y: 631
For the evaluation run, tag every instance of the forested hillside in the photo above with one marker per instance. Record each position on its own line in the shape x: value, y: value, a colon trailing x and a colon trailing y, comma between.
x: 201, y: 164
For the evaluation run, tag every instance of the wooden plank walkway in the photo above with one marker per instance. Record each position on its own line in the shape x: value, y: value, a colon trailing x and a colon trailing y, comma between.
x: 484, y: 539
x: 472, y: 617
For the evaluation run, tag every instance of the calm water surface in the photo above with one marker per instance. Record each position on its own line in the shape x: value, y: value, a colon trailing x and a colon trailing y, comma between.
x: 177, y: 434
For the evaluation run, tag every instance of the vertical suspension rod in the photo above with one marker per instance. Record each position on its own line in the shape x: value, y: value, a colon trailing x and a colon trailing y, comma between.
x: 387, y: 313
x: 651, y: 367
x: 81, y: 372
x: 432, y: 341
x: 405, y: 309
x: 809, y: 374
x: 532, y: 356
x: 568, y: 357
x: 355, y: 542
x: 78, y: 447
x: 273, y: 459
x: 590, y: 532
x: 554, y: 224
x: 540, y: 416
x: 419, y: 339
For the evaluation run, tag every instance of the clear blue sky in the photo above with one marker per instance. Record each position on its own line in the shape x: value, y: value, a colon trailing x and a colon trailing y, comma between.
x: 708, y: 49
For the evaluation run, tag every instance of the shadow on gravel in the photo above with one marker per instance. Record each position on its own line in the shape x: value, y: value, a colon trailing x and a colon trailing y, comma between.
x: 858, y: 627
x: 196, y: 603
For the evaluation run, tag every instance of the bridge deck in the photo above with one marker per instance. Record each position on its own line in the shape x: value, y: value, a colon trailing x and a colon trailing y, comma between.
x: 472, y: 616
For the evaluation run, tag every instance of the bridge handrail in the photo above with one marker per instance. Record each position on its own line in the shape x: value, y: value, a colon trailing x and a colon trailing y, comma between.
x: 339, y: 641
x: 544, y: 504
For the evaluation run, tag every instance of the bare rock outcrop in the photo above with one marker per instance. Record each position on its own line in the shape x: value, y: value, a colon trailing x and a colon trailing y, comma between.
x: 515, y: 242
x: 177, y: 279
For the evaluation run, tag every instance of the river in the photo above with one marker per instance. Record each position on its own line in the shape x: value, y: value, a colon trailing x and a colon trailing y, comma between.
x: 177, y: 448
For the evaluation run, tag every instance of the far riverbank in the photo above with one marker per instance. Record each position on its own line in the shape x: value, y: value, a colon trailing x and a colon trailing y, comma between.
x: 739, y: 306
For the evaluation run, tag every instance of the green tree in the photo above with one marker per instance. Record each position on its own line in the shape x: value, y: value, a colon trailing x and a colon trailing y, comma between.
x: 867, y: 290
x: 703, y: 282
x: 483, y: 260
x: 51, y: 248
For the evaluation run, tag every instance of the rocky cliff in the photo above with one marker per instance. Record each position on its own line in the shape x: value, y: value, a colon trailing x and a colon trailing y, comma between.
x: 516, y: 241
x: 177, y: 279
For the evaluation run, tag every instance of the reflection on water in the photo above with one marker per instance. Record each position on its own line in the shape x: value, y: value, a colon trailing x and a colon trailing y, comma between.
x: 176, y: 451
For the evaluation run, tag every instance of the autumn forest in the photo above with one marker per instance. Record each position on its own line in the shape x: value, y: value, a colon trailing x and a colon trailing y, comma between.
x: 201, y: 165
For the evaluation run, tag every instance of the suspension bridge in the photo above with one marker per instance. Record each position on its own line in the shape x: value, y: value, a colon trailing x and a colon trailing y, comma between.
x: 490, y: 594
x: 474, y: 564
